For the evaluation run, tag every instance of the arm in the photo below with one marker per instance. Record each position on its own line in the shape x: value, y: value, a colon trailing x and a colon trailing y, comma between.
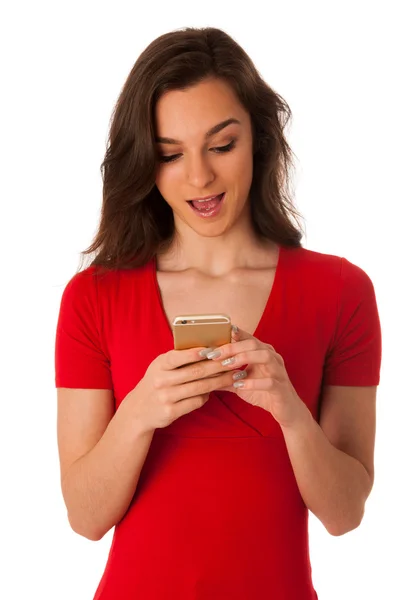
x: 101, y: 458
x: 333, y: 461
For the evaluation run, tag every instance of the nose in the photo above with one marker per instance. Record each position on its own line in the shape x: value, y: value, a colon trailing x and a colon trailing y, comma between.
x: 199, y: 172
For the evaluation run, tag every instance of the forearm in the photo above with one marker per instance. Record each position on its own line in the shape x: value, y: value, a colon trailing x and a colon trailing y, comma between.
x: 333, y: 485
x: 99, y: 486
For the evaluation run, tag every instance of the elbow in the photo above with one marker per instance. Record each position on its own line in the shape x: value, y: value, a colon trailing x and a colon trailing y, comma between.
x: 93, y: 536
x: 339, y: 530
x: 336, y: 532
x: 90, y: 533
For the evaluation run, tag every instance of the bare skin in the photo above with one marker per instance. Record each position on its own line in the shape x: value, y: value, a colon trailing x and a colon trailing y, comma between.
x: 193, y: 291
x: 214, y: 264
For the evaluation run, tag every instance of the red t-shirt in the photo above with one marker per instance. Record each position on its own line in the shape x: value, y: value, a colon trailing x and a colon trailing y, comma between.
x: 217, y: 512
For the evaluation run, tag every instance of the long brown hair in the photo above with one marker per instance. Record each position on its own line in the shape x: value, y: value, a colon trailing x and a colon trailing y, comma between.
x: 136, y: 222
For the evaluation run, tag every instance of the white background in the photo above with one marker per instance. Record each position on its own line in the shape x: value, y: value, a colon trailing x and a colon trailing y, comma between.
x: 63, y: 65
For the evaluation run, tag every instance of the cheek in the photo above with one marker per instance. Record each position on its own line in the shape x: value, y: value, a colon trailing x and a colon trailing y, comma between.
x: 241, y: 176
x: 242, y: 160
x: 242, y: 171
x: 167, y: 180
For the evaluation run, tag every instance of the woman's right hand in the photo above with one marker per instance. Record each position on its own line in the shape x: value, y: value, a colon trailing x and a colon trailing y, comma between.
x: 172, y: 387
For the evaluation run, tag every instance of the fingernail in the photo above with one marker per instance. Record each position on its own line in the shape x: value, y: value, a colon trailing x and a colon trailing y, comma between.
x: 238, y: 384
x: 214, y: 354
x: 203, y: 353
x: 228, y: 361
x: 240, y: 375
x: 235, y: 328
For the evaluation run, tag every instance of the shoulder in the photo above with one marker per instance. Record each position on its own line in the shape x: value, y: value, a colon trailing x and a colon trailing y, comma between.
x: 80, y: 285
x: 95, y: 285
x: 313, y: 260
x: 320, y: 264
x: 97, y: 276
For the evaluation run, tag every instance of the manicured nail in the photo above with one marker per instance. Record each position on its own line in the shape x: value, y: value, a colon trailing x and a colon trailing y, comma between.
x: 203, y: 353
x: 214, y: 354
x: 240, y: 375
x: 228, y: 361
x: 235, y: 328
x: 238, y: 384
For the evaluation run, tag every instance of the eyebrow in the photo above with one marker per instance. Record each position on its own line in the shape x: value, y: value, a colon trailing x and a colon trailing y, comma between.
x: 210, y: 133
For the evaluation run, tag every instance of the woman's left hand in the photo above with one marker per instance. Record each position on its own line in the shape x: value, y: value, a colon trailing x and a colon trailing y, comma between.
x: 267, y: 383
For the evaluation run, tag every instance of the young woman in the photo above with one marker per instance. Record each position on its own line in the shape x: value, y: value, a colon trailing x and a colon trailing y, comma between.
x: 207, y: 469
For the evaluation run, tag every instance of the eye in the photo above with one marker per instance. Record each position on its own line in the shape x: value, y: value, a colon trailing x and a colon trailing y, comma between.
x: 218, y: 150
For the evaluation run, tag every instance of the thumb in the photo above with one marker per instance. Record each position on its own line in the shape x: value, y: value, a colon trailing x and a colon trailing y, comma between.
x: 239, y: 334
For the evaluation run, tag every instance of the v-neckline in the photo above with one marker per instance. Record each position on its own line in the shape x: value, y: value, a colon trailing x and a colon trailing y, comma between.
x: 267, y: 308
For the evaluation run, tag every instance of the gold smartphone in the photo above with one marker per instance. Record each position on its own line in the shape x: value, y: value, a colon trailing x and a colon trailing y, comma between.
x: 209, y: 330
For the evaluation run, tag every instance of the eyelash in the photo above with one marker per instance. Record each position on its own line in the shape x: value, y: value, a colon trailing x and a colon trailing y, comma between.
x: 221, y: 150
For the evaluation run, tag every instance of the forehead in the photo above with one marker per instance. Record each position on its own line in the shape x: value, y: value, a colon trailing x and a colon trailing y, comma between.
x: 190, y: 113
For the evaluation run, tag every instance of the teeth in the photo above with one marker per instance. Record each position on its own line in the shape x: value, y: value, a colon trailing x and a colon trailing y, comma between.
x: 208, y: 199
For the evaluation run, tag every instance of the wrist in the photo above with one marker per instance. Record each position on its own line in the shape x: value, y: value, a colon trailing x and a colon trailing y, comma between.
x: 133, y: 415
x: 301, y: 419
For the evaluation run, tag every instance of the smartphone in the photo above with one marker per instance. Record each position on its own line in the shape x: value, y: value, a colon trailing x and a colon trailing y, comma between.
x: 209, y: 330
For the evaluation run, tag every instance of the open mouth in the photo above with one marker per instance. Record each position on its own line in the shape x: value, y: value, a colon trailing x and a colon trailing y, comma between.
x: 207, y: 208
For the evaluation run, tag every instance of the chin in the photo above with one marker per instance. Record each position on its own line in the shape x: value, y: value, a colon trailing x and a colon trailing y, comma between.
x: 211, y: 230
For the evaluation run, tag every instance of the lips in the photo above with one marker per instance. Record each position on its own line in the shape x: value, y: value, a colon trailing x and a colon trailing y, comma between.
x: 208, y: 208
x: 208, y: 204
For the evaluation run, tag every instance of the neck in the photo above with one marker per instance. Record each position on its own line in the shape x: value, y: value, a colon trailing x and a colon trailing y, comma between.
x: 237, y: 248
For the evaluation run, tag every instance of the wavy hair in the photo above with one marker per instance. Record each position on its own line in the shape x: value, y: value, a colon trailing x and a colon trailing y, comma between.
x: 135, y: 221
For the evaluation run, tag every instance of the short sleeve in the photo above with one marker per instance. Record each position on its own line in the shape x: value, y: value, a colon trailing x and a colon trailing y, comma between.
x: 354, y: 356
x: 80, y: 361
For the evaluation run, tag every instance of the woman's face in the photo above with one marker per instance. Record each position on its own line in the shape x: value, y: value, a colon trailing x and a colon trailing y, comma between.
x: 195, y: 167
